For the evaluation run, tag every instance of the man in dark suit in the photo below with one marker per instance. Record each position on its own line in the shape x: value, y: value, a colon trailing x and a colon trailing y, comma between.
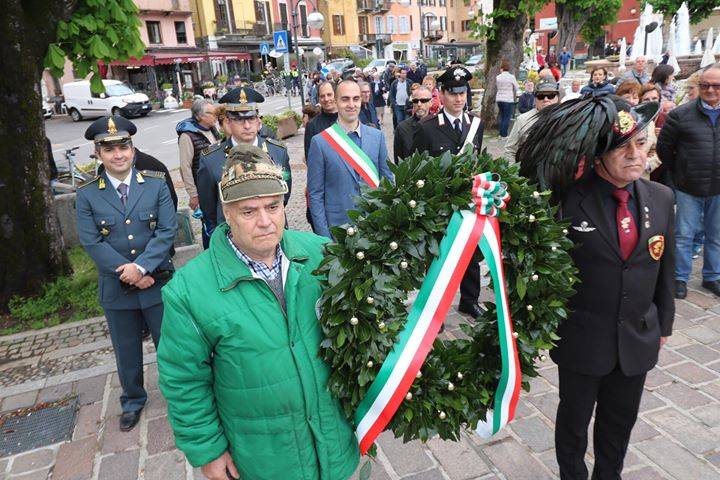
x: 405, y: 131
x: 449, y: 131
x: 623, y: 310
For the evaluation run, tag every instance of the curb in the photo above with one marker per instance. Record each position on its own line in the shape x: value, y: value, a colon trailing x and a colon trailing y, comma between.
x: 56, y: 328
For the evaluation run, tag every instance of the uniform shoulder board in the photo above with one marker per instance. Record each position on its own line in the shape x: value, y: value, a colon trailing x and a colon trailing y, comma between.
x: 276, y: 142
x: 152, y: 173
x: 89, y: 183
x: 210, y: 149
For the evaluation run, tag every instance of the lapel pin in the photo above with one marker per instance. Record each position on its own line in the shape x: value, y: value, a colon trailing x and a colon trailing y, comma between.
x: 583, y: 227
x: 647, y: 224
x: 101, y: 184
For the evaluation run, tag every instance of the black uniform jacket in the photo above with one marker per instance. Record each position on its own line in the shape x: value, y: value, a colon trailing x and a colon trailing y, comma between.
x: 436, y: 135
x: 621, y: 308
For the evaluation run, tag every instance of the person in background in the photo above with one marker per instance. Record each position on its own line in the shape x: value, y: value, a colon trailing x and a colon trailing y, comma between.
x: 377, y: 86
x: 526, y: 102
x: 430, y: 83
x: 637, y: 73
x: 540, y: 58
x: 555, y: 70
x: 598, y: 83
x: 546, y: 95
x: 692, y: 89
x: 328, y: 114
x: 650, y: 93
x: 415, y: 74
x: 308, y: 113
x: 689, y: 146
x: 398, y: 96
x: 507, y: 89
x: 574, y: 91
x: 564, y: 60
x: 551, y: 58
x: 368, y: 115
x: 630, y: 91
x: 663, y: 77
x: 405, y: 133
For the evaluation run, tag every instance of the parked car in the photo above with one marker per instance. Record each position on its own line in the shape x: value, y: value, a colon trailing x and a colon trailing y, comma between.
x: 345, y: 66
x: 380, y: 64
x: 118, y: 99
x: 475, y: 63
x: 47, y: 105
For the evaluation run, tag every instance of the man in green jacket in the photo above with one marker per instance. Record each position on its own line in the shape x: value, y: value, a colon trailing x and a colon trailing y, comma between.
x: 238, y: 361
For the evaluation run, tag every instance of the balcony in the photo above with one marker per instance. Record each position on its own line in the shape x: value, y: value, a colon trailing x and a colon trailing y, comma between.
x: 380, y: 6
x: 433, y: 35
x: 364, y: 6
x: 371, y: 38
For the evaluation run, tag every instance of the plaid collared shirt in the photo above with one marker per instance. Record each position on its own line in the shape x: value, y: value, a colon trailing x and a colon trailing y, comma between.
x: 259, y: 268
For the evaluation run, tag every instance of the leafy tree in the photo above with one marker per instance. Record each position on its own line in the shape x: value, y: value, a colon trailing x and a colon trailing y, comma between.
x: 699, y: 9
x: 503, y: 30
x: 39, y: 33
x: 585, y: 17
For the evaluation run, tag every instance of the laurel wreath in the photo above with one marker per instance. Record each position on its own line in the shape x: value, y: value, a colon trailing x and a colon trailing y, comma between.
x: 398, y: 227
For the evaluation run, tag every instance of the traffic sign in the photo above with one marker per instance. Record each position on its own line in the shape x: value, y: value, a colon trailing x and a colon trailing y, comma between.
x: 281, y: 41
x: 264, y: 49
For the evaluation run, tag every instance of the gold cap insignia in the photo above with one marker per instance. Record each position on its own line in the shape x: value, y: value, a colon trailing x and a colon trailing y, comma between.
x: 243, y: 97
x: 112, y: 129
x: 625, y: 124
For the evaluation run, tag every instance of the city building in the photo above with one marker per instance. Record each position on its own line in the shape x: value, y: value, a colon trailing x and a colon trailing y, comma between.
x: 340, y: 31
x: 462, y: 14
x: 307, y: 38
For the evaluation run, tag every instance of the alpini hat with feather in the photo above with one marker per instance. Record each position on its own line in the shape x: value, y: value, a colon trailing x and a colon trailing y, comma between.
x: 250, y: 173
x: 563, y: 143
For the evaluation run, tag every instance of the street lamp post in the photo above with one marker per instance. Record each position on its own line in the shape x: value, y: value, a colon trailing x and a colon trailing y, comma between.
x: 407, y: 3
x: 316, y: 21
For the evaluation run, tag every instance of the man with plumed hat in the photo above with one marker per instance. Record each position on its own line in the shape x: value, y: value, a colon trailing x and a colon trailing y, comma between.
x: 239, y: 363
x: 449, y: 131
x: 590, y: 153
x: 126, y: 223
x: 244, y: 123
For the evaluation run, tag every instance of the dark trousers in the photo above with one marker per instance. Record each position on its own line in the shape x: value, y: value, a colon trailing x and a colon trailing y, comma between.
x: 470, y: 284
x: 399, y: 114
x: 618, y: 400
x: 126, y: 332
x: 506, y: 109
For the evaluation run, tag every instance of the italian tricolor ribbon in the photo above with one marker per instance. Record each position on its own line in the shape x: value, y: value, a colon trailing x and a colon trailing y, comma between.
x: 352, y: 154
x: 466, y: 231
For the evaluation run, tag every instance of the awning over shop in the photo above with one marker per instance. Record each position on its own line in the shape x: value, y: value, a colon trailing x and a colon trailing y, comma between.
x: 171, y: 58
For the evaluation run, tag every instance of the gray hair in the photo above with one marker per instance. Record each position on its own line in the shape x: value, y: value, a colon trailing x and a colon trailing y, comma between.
x: 198, y: 108
x: 363, y: 83
x: 422, y: 88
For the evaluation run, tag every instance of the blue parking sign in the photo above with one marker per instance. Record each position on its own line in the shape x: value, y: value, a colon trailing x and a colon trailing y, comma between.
x: 280, y: 40
x: 264, y: 49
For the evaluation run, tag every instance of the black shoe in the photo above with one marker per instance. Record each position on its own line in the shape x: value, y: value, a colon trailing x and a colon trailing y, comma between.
x: 472, y: 309
x: 712, y: 285
x: 681, y: 289
x: 128, y: 420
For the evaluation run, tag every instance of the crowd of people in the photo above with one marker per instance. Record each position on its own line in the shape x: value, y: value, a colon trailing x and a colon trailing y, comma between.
x: 238, y: 359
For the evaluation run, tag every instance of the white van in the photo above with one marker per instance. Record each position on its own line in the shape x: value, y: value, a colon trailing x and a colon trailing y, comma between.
x: 118, y: 99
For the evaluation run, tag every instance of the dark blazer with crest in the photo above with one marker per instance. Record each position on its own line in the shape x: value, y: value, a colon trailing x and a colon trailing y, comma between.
x: 436, y: 135
x: 621, y: 308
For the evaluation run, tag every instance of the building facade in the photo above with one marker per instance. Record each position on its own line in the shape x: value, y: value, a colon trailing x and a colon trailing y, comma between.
x: 341, y: 29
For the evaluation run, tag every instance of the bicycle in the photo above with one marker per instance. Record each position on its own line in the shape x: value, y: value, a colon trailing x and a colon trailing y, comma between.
x: 70, y: 177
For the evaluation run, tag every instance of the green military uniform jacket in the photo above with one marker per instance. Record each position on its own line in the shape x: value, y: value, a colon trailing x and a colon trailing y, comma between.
x: 240, y: 375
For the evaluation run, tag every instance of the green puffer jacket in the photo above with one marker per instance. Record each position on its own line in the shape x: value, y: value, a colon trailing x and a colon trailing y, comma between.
x: 239, y: 375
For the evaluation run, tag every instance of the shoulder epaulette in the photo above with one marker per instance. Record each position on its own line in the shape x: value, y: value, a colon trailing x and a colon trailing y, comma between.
x: 210, y: 149
x: 276, y: 142
x: 152, y: 173
x: 89, y: 182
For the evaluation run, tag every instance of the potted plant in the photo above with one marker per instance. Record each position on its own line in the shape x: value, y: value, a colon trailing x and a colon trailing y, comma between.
x: 187, y: 99
x: 288, y: 123
x: 167, y: 88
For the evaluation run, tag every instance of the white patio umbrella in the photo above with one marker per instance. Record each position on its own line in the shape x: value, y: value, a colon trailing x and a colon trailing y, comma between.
x: 708, y: 57
x: 623, y: 55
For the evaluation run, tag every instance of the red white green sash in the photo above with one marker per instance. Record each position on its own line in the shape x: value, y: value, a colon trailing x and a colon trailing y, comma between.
x: 465, y: 232
x: 352, y: 154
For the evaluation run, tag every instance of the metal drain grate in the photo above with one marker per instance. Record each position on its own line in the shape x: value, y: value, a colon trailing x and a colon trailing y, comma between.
x: 28, y: 429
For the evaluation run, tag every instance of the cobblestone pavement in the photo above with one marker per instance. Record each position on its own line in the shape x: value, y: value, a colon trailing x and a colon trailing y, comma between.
x: 676, y: 437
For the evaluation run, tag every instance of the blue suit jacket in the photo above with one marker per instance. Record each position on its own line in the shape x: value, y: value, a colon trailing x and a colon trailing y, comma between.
x: 332, y: 182
x: 212, y: 160
x: 141, y: 232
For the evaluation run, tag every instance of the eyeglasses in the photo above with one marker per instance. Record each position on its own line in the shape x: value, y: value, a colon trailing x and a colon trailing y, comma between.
x: 421, y: 100
x: 544, y: 96
x: 708, y: 86
x: 242, y: 119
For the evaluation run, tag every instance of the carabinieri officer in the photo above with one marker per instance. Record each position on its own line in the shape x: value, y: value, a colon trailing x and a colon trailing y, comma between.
x: 243, y: 118
x: 126, y: 223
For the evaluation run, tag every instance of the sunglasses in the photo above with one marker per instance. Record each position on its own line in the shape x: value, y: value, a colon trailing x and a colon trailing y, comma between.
x: 545, y: 96
x: 708, y: 86
x: 421, y: 100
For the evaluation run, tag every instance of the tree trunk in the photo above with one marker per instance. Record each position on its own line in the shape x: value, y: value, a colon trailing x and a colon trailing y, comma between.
x: 569, y: 26
x: 31, y: 250
x: 508, y: 43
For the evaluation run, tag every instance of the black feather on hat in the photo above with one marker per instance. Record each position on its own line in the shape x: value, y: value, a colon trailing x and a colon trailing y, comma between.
x: 563, y: 143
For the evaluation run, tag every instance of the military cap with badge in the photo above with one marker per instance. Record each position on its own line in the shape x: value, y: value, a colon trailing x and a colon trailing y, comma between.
x: 241, y: 102
x: 455, y: 79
